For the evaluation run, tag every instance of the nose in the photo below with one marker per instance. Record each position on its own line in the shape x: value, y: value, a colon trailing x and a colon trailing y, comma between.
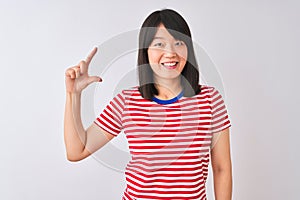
x: 169, y: 51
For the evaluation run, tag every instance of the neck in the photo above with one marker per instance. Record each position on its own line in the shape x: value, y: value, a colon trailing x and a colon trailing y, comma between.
x: 168, y: 88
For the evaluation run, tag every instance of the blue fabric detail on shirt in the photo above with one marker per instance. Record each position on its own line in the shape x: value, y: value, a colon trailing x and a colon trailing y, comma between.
x: 160, y: 101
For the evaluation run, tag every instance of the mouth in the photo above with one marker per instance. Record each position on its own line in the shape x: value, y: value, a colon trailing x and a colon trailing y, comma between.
x: 170, y: 65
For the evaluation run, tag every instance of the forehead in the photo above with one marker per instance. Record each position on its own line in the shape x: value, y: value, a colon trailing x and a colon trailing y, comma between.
x: 169, y: 34
x: 163, y: 33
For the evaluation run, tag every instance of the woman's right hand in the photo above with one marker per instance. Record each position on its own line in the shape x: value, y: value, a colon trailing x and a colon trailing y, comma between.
x: 77, y: 77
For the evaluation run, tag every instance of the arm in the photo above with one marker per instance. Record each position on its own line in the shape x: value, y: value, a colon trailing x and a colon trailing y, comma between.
x: 79, y: 142
x: 221, y: 165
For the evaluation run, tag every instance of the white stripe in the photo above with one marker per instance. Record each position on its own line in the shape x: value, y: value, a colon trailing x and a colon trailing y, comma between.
x: 154, y: 193
x: 195, y: 132
x: 166, y: 149
x: 177, y: 137
x: 166, y: 144
x: 152, y: 118
x: 177, y: 179
x: 169, y: 166
x: 183, y: 153
x: 133, y: 169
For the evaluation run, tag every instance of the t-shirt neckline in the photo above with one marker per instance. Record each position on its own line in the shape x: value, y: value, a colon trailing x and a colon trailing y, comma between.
x: 168, y: 101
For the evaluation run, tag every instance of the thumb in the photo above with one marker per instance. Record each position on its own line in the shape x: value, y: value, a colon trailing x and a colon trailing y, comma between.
x: 92, y: 79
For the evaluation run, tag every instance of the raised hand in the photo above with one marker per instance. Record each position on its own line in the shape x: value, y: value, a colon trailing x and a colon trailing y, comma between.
x: 77, y: 77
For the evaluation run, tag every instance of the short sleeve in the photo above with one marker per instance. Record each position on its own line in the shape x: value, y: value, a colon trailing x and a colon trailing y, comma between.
x: 220, y: 120
x: 110, y: 118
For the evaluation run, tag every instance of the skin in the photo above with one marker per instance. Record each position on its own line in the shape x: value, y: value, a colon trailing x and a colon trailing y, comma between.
x: 221, y: 165
x: 81, y: 143
x: 165, y: 49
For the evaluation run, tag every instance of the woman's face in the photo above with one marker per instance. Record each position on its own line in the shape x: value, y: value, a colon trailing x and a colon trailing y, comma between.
x: 167, y: 55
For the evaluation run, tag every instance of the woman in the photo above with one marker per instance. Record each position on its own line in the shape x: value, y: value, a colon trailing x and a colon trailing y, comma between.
x: 173, y: 125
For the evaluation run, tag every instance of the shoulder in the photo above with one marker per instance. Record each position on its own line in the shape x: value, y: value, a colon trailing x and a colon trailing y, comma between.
x: 207, y: 90
x: 132, y: 92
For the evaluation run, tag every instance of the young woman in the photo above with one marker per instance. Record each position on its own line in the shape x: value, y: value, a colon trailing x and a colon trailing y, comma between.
x: 173, y: 125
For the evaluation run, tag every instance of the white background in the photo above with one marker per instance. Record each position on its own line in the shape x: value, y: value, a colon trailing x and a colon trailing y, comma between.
x: 254, y: 45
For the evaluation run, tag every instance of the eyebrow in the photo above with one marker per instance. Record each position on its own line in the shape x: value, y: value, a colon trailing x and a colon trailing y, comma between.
x: 163, y: 38
x: 159, y: 38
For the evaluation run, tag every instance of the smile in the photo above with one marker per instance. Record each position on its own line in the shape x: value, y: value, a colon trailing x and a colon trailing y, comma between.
x: 170, y: 65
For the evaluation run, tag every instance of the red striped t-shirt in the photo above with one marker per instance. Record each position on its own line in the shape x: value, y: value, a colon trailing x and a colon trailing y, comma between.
x: 169, y: 143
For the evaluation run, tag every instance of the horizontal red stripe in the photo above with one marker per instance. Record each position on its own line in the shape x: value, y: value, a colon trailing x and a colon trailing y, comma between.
x: 165, y: 130
x: 165, y: 164
x: 144, y: 141
x: 166, y: 186
x: 178, y: 157
x: 170, y: 169
x: 152, y: 109
x: 141, y: 173
x: 166, y: 114
x: 162, y: 135
x: 179, y: 192
x: 169, y: 146
x: 167, y: 120
x: 185, y: 151
x: 167, y: 125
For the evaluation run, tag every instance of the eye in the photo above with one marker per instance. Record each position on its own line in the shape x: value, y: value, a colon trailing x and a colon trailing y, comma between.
x: 179, y: 43
x: 158, y: 44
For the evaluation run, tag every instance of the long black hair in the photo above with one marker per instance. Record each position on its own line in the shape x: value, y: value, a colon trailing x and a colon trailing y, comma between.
x: 179, y: 29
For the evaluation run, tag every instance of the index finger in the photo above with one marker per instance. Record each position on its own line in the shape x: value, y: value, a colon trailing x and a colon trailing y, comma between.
x: 91, y: 55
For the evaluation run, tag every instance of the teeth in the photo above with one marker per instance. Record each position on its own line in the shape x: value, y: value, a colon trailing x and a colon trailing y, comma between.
x: 169, y: 64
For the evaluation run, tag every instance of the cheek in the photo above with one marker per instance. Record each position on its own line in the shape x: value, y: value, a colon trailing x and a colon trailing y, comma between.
x: 183, y: 60
x: 153, y: 56
x: 183, y: 57
x: 184, y: 54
